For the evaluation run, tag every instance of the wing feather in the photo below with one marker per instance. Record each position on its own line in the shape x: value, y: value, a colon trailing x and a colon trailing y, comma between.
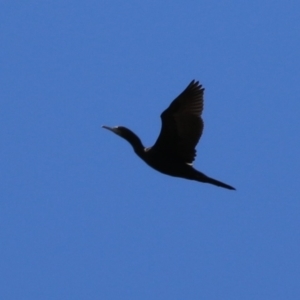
x: 182, y: 125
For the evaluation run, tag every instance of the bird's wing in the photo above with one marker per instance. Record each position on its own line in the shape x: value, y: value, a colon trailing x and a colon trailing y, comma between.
x: 182, y: 124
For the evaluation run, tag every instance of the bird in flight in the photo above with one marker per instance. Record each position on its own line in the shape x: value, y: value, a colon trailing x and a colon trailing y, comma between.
x: 174, y: 151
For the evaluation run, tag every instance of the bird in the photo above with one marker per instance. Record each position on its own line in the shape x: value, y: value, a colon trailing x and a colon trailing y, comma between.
x: 174, y: 150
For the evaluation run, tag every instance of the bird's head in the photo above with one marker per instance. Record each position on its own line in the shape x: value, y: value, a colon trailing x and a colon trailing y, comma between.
x: 116, y: 129
x: 128, y: 135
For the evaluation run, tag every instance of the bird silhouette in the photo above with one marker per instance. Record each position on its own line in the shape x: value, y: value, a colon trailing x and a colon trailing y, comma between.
x: 174, y: 151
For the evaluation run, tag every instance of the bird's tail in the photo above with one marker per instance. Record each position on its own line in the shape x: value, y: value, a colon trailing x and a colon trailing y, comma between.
x: 203, y: 178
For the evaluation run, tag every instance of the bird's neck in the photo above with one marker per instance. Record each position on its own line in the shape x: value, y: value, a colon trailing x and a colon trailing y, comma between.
x: 138, y: 148
x: 136, y: 144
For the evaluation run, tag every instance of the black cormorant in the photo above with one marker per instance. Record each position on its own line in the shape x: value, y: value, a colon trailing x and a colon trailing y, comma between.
x: 174, y: 151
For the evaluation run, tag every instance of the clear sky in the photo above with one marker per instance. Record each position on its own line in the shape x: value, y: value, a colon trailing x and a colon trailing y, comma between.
x: 82, y: 217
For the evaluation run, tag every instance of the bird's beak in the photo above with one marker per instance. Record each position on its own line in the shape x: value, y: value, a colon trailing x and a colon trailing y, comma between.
x: 113, y: 129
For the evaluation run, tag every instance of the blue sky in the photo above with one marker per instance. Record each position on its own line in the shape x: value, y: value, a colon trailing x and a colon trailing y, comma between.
x: 82, y: 217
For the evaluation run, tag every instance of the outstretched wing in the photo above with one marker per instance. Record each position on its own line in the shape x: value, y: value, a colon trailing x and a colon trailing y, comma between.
x: 182, y: 124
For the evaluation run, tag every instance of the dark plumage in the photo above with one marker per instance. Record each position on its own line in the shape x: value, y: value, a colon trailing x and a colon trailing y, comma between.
x: 174, y: 151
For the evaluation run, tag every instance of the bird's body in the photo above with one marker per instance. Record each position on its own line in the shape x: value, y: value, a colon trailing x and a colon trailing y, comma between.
x: 174, y: 151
